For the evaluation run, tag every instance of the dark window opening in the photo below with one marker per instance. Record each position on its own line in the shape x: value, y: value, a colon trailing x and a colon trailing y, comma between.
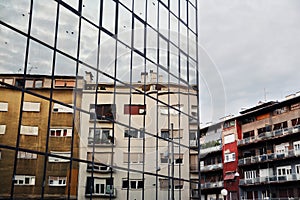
x: 102, y: 111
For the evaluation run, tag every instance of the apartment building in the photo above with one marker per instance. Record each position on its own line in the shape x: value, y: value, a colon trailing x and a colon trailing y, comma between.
x: 39, y: 136
x: 260, y: 153
x: 268, y: 149
x: 137, y: 146
x: 211, y: 165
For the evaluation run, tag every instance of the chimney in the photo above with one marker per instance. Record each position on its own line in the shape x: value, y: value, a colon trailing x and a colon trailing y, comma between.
x: 153, y: 76
x: 144, y: 77
x: 88, y: 77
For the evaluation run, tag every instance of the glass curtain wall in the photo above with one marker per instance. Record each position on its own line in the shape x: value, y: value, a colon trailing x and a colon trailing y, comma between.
x: 98, y: 99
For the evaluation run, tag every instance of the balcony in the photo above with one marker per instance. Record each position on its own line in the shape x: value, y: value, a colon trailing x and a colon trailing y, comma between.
x: 210, y: 149
x: 101, y: 141
x: 269, y: 157
x: 99, y: 168
x: 212, y: 185
x: 270, y: 179
x: 211, y: 167
x: 270, y: 134
x: 108, y: 193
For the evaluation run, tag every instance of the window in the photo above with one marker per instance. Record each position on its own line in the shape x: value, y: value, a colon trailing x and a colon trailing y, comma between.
x: 20, y: 83
x: 280, y: 110
x: 296, y: 122
x: 2, y: 129
x: 297, y: 167
x: 295, y: 106
x: 24, y: 180
x: 193, y: 138
x: 165, y: 110
x: 3, y: 107
x: 229, y: 124
x: 31, y: 106
x: 229, y: 157
x: 229, y: 138
x: 65, y: 83
x: 167, y: 158
x: 100, y: 136
x: 134, y: 133
x: 57, y: 181
x: 132, y: 184
x: 34, y: 83
x: 67, y: 132
x: 165, y: 184
x: 56, y: 159
x: 280, y: 126
x: 296, y: 145
x: 99, y: 186
x: 134, y: 109
x: 26, y: 155
x: 284, y: 170
x: 135, y: 158
x: 250, y: 174
x: 58, y: 108
x: 101, y: 161
x: 29, y: 130
x: 102, y: 111
x: 267, y: 128
x: 282, y: 148
x: 177, y: 133
x: 248, y: 134
x: 164, y: 158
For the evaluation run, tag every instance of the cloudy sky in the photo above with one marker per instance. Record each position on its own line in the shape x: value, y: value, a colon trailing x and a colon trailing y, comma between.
x: 247, y: 47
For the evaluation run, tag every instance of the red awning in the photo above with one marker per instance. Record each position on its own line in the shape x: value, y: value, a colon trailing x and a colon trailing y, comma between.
x: 229, y: 177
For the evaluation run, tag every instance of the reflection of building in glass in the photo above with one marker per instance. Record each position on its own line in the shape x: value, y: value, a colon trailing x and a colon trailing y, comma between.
x: 134, y: 143
x: 49, y: 44
x: 37, y: 127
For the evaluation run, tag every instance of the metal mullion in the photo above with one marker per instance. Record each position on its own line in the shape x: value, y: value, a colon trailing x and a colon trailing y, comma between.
x: 21, y: 106
x: 144, y: 116
x: 96, y: 95
x: 198, y: 98
x: 130, y: 98
x: 75, y: 102
x: 156, y: 100
x: 50, y: 101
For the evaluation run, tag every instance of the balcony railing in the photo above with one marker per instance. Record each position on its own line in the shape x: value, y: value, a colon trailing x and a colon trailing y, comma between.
x: 211, y: 167
x: 270, y: 179
x: 270, y: 134
x: 101, y: 141
x: 212, y: 185
x: 211, y: 149
x: 269, y: 157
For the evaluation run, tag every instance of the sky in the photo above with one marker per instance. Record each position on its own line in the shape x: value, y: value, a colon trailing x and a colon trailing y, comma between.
x: 249, y: 52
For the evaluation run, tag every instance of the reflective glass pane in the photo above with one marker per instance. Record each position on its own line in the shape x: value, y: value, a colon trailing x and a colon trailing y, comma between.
x: 43, y: 21
x: 16, y: 13
x: 109, y: 15
x: 88, y: 43
x: 67, y: 32
x: 90, y: 10
x: 152, y: 13
x: 124, y: 26
x: 139, y: 35
x: 12, y: 51
x: 39, y: 59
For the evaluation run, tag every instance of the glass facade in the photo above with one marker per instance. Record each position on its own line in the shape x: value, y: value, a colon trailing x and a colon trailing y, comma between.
x: 98, y: 99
